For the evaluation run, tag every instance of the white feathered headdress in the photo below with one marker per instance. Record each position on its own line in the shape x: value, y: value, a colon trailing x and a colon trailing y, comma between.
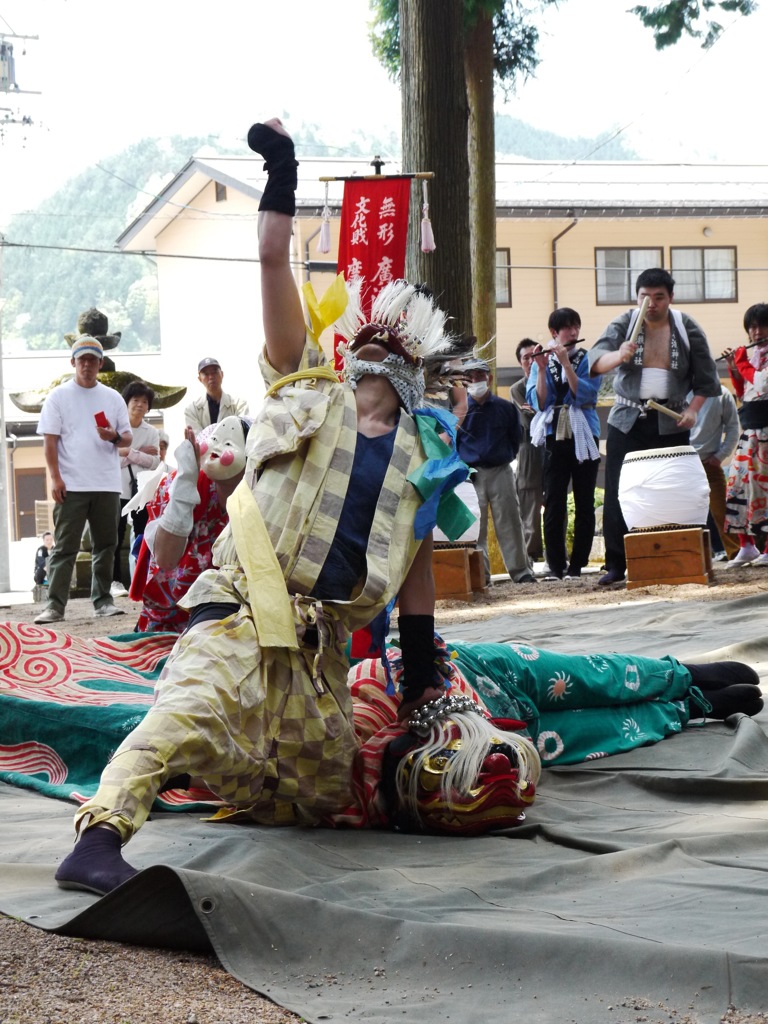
x: 405, y: 320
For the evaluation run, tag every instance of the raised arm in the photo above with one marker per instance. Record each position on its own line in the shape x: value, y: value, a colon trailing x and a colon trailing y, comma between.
x: 612, y: 349
x: 284, y: 327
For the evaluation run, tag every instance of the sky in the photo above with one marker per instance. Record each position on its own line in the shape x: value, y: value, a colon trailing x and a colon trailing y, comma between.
x: 112, y: 73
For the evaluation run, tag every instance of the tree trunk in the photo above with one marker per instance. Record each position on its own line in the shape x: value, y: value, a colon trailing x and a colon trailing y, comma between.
x: 434, y: 105
x: 481, y: 147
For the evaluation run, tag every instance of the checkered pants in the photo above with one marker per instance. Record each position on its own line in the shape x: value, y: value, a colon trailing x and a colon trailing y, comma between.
x: 249, y: 721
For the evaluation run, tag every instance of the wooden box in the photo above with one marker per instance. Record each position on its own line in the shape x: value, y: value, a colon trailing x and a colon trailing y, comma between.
x: 458, y: 572
x: 669, y: 557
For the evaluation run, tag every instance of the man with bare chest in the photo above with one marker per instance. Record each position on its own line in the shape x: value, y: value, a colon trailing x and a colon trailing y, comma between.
x: 669, y: 357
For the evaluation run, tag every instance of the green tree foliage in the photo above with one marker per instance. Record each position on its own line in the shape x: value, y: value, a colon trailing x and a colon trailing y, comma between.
x: 47, y: 281
x: 515, y: 36
x: 670, y: 21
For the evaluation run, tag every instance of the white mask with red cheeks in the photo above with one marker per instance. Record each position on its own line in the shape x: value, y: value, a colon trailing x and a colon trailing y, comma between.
x: 222, y: 453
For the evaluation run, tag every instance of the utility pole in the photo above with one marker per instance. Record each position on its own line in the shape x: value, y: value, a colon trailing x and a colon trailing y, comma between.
x: 9, y: 87
x: 5, y: 547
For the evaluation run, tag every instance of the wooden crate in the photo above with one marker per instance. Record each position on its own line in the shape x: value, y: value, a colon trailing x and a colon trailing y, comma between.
x: 669, y: 557
x: 458, y: 572
x: 476, y: 569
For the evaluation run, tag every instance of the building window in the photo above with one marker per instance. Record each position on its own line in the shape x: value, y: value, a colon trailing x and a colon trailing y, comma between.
x: 617, y: 271
x: 221, y: 192
x: 503, y: 278
x: 706, y: 274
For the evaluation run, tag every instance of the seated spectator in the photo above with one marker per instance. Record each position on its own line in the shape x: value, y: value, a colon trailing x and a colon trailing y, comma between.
x: 41, y: 564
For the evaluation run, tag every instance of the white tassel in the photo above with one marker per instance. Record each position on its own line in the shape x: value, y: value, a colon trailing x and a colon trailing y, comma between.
x: 324, y: 243
x: 427, y: 234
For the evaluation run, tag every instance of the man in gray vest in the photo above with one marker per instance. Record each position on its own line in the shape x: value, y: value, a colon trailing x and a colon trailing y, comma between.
x: 668, y: 358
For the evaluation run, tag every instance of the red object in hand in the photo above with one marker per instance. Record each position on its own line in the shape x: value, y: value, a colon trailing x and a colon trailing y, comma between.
x: 101, y: 419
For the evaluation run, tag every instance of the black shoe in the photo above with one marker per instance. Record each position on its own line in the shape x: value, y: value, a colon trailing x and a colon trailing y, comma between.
x: 611, y: 577
x: 572, y: 573
x: 527, y: 578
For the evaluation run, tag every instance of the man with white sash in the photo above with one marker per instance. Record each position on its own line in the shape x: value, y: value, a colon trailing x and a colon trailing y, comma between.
x: 660, y: 356
x: 564, y: 395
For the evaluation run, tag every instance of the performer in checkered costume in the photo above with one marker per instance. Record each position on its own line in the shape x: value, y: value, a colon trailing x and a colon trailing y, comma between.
x: 322, y: 538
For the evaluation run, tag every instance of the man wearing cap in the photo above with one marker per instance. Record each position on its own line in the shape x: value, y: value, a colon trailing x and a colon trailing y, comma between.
x: 83, y: 423
x: 215, y: 405
x: 488, y: 442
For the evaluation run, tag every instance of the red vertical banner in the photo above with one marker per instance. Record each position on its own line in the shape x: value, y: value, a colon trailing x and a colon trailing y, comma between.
x: 374, y: 229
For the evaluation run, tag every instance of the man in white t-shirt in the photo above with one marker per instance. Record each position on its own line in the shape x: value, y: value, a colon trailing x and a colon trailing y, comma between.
x: 83, y: 423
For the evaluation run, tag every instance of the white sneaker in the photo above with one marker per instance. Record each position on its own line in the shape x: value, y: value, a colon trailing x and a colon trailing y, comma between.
x: 107, y: 610
x: 49, y: 615
x: 720, y: 556
x: 762, y: 560
x: 745, y: 556
x: 118, y: 590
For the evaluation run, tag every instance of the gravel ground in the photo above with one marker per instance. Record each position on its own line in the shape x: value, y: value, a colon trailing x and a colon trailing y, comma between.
x: 44, y: 979
x: 51, y: 979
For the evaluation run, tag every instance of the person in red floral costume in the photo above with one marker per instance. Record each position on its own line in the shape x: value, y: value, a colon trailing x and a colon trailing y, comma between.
x: 186, y: 515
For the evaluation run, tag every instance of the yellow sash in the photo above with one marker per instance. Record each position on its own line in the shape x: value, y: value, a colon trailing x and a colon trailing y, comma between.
x: 270, y: 604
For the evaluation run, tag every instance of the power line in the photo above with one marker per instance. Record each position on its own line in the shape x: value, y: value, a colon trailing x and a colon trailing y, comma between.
x: 147, y: 253
x: 151, y: 255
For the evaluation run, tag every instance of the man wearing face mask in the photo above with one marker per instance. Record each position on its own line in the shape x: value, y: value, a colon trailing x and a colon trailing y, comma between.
x: 488, y: 442
x: 186, y: 516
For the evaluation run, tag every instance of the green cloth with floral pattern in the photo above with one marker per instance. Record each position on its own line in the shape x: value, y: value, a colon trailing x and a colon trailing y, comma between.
x: 579, y: 707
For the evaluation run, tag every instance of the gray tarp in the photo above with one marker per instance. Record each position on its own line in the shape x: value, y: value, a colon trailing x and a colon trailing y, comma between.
x: 638, y: 877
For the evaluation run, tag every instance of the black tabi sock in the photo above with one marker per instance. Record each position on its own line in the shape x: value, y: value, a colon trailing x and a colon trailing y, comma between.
x: 741, y: 698
x: 280, y: 164
x: 95, y: 864
x: 716, y: 674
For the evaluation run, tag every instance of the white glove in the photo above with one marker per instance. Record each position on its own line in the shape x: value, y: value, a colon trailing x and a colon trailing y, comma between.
x: 178, y: 517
